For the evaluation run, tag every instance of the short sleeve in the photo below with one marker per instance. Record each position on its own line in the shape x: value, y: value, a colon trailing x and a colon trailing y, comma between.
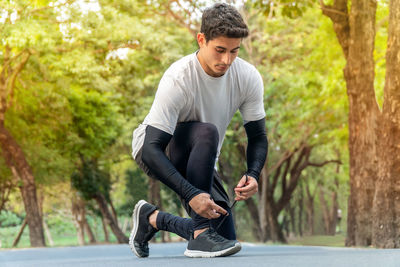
x: 252, y: 107
x: 167, y: 104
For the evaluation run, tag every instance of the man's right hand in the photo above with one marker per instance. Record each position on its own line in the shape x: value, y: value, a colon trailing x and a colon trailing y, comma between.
x: 204, y: 206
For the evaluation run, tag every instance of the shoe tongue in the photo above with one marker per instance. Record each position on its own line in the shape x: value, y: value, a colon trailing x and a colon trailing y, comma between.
x: 207, y: 232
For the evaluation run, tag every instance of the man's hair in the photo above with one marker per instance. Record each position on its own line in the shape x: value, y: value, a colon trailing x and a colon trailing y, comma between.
x: 223, y: 20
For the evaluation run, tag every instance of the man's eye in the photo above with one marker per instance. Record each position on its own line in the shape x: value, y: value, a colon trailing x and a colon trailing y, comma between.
x: 221, y: 51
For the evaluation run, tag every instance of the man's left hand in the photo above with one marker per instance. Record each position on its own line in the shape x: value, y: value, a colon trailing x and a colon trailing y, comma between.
x: 245, y: 190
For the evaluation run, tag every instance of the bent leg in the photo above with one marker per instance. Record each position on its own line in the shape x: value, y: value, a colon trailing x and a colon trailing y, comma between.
x: 193, y: 150
x: 227, y: 228
x: 175, y: 224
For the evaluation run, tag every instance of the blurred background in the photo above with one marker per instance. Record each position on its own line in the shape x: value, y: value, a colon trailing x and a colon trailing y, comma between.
x: 77, y: 77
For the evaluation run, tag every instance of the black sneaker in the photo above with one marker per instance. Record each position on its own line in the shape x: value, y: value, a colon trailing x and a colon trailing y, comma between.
x: 210, y: 244
x: 142, y: 230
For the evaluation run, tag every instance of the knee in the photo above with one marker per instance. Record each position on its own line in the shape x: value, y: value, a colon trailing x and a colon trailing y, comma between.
x: 208, y: 132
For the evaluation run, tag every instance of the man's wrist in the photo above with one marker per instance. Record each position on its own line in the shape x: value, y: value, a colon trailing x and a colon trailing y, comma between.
x: 253, y: 174
x: 195, y: 192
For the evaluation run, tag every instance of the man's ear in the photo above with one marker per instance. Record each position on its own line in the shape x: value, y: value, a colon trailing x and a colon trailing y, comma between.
x: 201, y: 39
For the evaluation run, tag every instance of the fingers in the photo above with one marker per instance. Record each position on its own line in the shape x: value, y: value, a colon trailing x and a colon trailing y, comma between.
x: 245, y: 192
x: 210, y: 210
x: 242, y: 182
x: 219, y: 209
x: 212, y: 214
x: 245, y: 195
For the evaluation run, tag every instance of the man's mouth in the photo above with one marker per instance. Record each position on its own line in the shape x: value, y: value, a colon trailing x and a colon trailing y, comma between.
x: 221, y: 67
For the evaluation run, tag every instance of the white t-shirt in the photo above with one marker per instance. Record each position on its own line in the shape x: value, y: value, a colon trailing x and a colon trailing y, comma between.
x: 187, y: 93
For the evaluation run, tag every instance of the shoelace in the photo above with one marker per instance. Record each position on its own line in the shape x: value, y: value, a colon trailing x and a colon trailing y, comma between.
x: 215, y: 236
x: 231, y: 207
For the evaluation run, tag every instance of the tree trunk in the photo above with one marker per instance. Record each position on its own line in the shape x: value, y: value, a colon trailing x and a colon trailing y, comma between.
x: 386, y: 210
x: 95, y: 226
x: 292, y: 218
x: 125, y: 225
x: 5, y: 190
x: 310, y: 211
x: 109, y: 219
x: 106, y: 235
x: 16, y: 161
x: 262, y: 206
x: 18, y: 237
x: 285, y: 225
x: 275, y: 229
x: 356, y: 35
x: 114, y: 213
x: 12, y: 152
x: 252, y: 208
x: 78, y: 211
x: 48, y: 233
x: 300, y: 213
x: 154, y: 196
x: 335, y: 207
x: 363, y: 115
x: 89, y: 232
x: 325, y: 210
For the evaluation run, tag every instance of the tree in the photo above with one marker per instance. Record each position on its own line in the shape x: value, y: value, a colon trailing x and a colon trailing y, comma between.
x: 374, y: 132
x: 7, y: 185
x: 386, y: 209
x: 94, y: 184
x: 12, y: 151
x: 303, y: 112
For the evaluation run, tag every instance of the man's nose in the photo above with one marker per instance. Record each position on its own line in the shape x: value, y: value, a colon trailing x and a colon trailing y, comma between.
x: 227, y: 59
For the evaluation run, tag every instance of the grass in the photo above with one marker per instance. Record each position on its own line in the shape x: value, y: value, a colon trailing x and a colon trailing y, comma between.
x: 319, y: 240
x: 64, y: 234
x: 8, y: 234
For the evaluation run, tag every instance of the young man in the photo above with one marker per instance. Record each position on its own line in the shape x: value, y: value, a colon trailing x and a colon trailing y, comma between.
x: 181, y: 137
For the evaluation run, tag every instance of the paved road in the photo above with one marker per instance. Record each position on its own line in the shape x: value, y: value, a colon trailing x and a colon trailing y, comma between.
x: 164, y: 255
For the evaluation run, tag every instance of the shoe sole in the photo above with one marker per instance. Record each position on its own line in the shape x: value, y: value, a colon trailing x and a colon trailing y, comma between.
x: 135, y: 221
x: 207, y: 254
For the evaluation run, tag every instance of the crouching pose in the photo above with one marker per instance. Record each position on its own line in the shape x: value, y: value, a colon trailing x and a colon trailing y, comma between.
x: 180, y: 139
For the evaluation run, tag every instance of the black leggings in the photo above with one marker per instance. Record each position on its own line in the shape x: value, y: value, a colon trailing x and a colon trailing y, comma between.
x: 192, y: 150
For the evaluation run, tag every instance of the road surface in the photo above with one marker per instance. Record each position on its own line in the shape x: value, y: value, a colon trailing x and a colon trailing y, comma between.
x: 171, y: 254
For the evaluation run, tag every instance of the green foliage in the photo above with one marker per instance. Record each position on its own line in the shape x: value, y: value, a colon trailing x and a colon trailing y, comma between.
x: 305, y: 92
x: 287, y: 8
x: 94, y: 121
x: 90, y: 180
x: 60, y: 226
x: 8, y: 218
x: 171, y: 201
x: 135, y: 189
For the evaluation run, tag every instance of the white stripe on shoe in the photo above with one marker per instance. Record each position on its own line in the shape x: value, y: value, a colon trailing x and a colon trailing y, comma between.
x: 135, y: 221
x: 208, y: 254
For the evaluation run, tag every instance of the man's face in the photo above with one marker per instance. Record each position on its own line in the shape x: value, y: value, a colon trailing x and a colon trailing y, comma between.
x: 217, y: 55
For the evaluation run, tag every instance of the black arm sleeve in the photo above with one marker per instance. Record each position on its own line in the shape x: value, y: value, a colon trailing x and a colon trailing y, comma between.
x: 159, y: 165
x: 257, y: 148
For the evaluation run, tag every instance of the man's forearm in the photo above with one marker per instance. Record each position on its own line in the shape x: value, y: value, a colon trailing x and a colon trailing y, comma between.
x: 257, y: 148
x: 161, y: 167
